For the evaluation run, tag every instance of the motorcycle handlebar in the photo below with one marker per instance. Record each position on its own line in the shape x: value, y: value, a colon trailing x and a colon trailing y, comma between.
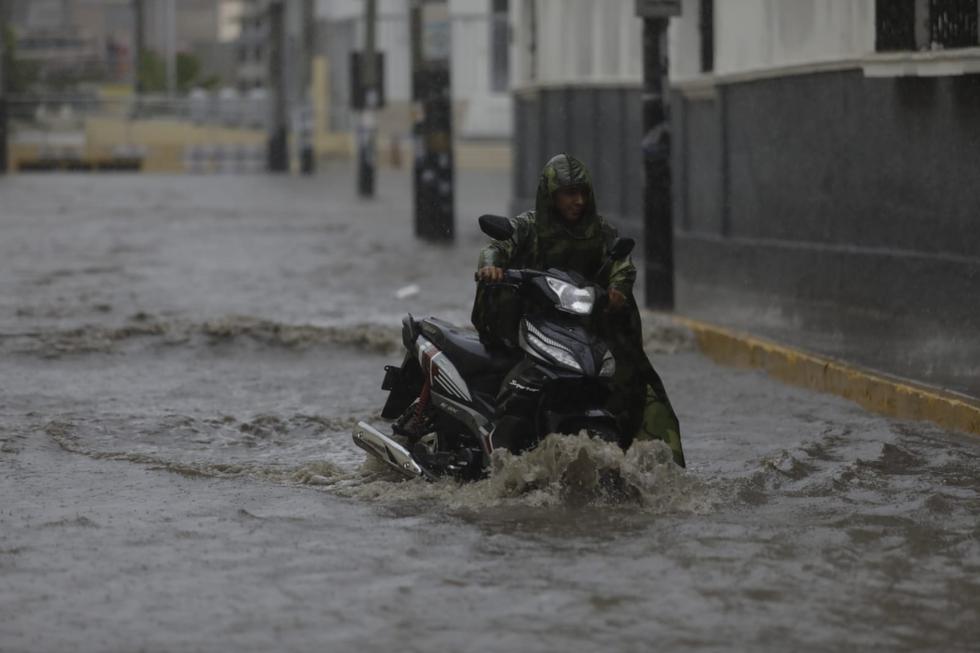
x: 519, y: 276
x: 511, y: 276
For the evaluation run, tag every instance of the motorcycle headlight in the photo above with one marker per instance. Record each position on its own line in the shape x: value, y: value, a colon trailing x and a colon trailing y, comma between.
x: 608, y: 365
x: 545, y: 345
x: 572, y: 298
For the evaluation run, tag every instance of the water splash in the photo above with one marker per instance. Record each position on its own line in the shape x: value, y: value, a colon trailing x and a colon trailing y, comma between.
x: 563, y: 471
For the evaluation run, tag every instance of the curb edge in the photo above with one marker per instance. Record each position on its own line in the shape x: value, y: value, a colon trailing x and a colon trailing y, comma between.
x: 876, y: 392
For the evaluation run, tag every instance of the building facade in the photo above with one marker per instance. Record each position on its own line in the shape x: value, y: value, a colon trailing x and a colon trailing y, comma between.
x: 577, y: 75
x: 823, y: 153
x: 824, y: 156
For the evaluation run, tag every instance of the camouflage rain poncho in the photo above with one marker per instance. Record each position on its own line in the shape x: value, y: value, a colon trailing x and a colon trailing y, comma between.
x: 542, y: 240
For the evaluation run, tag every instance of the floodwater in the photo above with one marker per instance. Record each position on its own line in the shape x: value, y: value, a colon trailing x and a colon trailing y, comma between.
x: 182, y: 360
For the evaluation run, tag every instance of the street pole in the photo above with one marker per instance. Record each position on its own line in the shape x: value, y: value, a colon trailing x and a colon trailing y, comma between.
x: 307, y: 157
x: 170, y: 40
x: 657, y: 194
x: 367, y: 130
x: 432, y: 119
x: 278, y: 143
x: 4, y: 74
x: 137, y: 54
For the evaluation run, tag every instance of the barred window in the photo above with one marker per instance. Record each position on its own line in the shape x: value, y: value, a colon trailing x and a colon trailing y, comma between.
x: 925, y: 24
x: 953, y: 23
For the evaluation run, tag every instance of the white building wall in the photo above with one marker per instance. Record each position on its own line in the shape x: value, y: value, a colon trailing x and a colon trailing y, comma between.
x: 684, y: 42
x: 487, y: 114
x: 576, y: 42
x: 759, y: 35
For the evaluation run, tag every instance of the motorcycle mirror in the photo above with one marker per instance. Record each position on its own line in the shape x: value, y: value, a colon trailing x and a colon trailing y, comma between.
x: 621, y: 248
x: 496, y: 226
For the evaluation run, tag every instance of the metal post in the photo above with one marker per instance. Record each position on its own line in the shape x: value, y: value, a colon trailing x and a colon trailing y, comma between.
x: 170, y: 46
x: 138, y: 46
x: 4, y: 74
x: 432, y: 120
x: 367, y: 130
x: 278, y: 144
x: 307, y: 156
x: 657, y: 200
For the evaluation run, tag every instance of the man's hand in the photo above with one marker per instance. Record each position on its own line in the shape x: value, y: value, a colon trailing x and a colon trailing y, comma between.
x: 616, y: 300
x: 490, y: 273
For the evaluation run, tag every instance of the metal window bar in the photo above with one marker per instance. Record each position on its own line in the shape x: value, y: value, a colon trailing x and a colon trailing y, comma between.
x: 707, y: 27
x: 953, y: 23
x: 895, y: 25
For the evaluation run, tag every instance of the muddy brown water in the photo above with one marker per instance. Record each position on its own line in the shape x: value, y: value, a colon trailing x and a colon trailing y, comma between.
x: 182, y: 362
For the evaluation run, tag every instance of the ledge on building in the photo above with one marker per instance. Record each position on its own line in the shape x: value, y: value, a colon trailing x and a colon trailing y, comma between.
x: 932, y: 63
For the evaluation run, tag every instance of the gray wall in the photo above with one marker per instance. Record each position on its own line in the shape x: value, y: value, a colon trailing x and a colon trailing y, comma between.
x: 599, y: 126
x: 836, y: 189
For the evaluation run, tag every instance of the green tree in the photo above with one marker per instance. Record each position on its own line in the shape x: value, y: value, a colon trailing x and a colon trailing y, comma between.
x: 153, y: 73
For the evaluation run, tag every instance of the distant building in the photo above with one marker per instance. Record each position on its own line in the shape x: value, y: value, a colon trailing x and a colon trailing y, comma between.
x: 208, y: 29
x: 251, y: 46
x: 480, y: 63
x: 49, y: 34
x: 93, y: 39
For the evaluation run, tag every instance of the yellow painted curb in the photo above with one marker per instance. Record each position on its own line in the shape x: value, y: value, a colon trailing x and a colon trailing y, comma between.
x: 875, y: 392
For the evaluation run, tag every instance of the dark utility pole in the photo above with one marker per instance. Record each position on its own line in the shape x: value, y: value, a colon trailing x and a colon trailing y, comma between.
x: 4, y: 75
x: 657, y: 197
x: 307, y: 154
x: 138, y: 47
x: 367, y: 130
x: 278, y: 147
x: 432, y: 114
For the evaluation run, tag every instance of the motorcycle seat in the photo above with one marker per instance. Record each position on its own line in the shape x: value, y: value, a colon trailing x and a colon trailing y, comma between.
x: 464, y: 349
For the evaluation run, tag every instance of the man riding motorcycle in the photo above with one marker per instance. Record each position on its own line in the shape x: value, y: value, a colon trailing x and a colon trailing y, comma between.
x: 564, y: 231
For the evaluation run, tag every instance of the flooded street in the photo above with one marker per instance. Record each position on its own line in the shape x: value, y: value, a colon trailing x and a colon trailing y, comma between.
x: 182, y: 360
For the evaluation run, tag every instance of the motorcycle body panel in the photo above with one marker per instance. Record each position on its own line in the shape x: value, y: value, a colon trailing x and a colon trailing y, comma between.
x: 462, y: 401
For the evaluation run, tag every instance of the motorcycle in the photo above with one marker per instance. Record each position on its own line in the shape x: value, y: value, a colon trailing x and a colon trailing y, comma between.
x: 453, y: 401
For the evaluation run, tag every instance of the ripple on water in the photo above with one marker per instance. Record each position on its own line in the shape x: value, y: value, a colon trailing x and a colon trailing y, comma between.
x: 564, y: 471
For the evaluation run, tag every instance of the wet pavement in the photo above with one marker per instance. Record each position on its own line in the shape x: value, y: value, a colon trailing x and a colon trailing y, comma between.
x: 182, y: 359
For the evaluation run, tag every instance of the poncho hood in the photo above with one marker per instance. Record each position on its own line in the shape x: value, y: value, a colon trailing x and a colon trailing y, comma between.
x: 563, y: 171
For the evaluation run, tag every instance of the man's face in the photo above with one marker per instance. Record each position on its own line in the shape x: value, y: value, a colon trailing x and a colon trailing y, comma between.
x: 570, y: 203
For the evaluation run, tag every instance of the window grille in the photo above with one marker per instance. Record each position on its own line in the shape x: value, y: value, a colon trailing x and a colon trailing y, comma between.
x: 925, y: 24
x: 953, y: 23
